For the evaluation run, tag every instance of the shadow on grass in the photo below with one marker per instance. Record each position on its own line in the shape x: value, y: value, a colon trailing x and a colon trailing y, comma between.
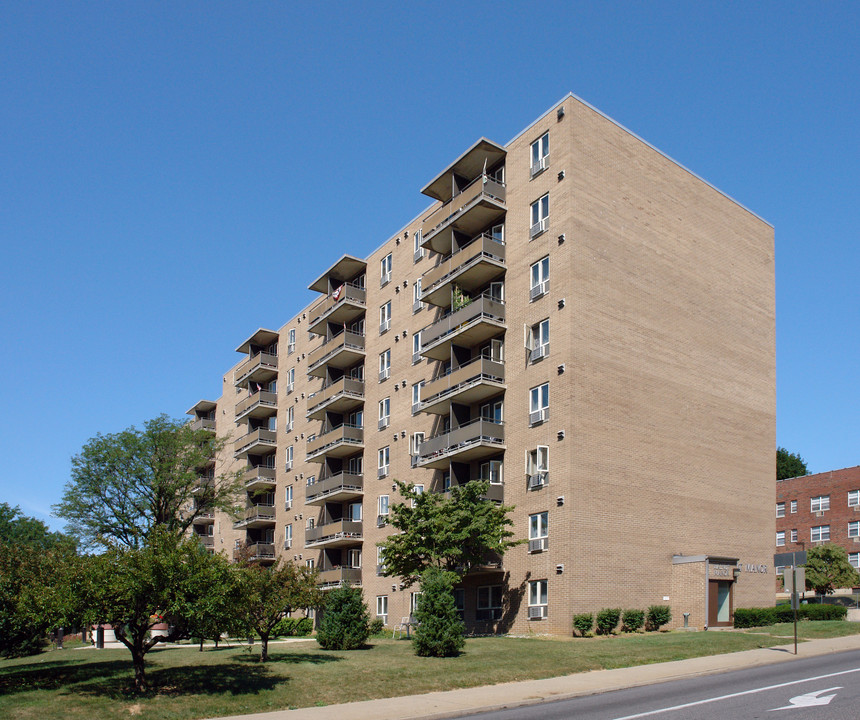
x: 292, y: 658
x: 58, y: 673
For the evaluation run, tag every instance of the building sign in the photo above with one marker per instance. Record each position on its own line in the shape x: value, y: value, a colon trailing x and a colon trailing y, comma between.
x: 728, y: 571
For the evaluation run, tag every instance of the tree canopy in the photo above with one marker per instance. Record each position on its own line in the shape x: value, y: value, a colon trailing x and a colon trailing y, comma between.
x: 789, y: 465
x: 125, y: 484
x: 454, y: 532
x: 827, y: 568
x: 19, y: 529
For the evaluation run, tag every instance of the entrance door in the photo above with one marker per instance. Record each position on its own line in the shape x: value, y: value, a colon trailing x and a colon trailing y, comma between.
x: 720, y: 603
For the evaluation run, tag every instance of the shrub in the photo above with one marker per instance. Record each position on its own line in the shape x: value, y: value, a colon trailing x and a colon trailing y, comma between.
x: 658, y: 616
x: 293, y: 627
x: 607, y: 620
x: 754, y: 617
x: 632, y: 620
x: 583, y: 623
x: 377, y: 627
x: 440, y: 631
x: 823, y: 612
x: 758, y: 617
x: 345, y: 623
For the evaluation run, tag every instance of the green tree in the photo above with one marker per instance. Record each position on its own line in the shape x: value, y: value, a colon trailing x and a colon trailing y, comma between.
x: 789, y: 465
x: 345, y: 623
x: 827, y: 568
x: 269, y: 593
x: 166, y: 580
x: 439, y: 632
x: 453, y: 533
x: 19, y: 529
x: 125, y: 484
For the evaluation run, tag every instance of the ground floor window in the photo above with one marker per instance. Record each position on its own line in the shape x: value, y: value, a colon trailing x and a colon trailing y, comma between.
x: 537, y: 599
x: 489, y: 602
x: 382, y: 608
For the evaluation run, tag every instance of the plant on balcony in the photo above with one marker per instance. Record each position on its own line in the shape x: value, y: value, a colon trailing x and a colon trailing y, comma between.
x: 455, y: 532
x: 459, y: 299
x: 345, y: 623
x: 439, y: 630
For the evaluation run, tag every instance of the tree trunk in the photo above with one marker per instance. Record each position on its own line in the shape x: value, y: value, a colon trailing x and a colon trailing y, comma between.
x: 137, y: 656
x: 201, y: 644
x: 264, y: 647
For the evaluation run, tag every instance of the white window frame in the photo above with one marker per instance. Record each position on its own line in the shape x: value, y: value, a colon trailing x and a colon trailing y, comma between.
x: 537, y: 340
x: 385, y: 317
x: 819, y: 533
x: 384, y: 413
x: 539, y: 404
x: 416, y: 347
x: 417, y: 247
x: 288, y: 497
x: 291, y: 342
x: 383, y: 504
x: 539, y: 278
x: 385, y: 365
x: 538, y: 599
x: 780, y: 509
x: 793, y: 535
x: 288, y: 463
x: 416, y: 296
x: 291, y: 417
x: 493, y: 411
x: 493, y: 472
x: 291, y: 380
x: 288, y: 536
x: 820, y: 503
x: 854, y: 560
x: 383, y: 464
x: 780, y: 538
x: 416, y: 396
x: 854, y: 498
x: 418, y: 489
x: 382, y: 608
x: 539, y: 155
x: 854, y: 529
x: 793, y: 506
x: 539, y: 531
x: 385, y: 270
x: 353, y: 558
x: 539, y: 216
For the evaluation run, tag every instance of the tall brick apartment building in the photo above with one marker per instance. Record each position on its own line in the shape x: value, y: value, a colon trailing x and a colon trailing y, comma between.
x: 577, y: 319
x: 815, y: 509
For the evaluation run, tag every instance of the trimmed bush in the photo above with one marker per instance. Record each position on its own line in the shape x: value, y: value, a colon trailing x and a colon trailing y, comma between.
x: 632, y: 620
x: 345, y: 623
x: 754, y: 617
x: 823, y: 612
x: 607, y: 620
x: 583, y: 623
x: 759, y: 617
x: 440, y: 631
x: 293, y: 627
x: 658, y: 616
x: 377, y: 627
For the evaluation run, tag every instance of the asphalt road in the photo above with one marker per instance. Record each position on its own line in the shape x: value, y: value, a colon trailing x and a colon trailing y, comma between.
x: 820, y: 688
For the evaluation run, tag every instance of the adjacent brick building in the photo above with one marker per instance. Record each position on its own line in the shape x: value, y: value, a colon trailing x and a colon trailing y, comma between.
x: 577, y: 319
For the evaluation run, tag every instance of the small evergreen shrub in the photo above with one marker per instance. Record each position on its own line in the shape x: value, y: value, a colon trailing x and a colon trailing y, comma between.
x: 440, y: 631
x: 583, y: 623
x: 293, y: 627
x: 632, y: 620
x: 759, y: 617
x: 658, y: 616
x: 754, y: 617
x: 823, y: 612
x: 377, y: 627
x: 345, y: 623
x: 607, y: 620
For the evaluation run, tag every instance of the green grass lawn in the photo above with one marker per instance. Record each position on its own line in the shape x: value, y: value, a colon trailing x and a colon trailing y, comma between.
x: 91, y: 685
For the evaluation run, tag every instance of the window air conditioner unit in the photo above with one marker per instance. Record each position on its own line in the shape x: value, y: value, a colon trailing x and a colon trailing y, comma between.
x: 384, y: 374
x: 386, y: 278
x: 538, y: 228
x: 384, y: 326
x: 537, y: 612
x: 382, y: 472
x: 289, y: 388
x: 381, y: 520
x: 383, y: 423
x: 288, y: 544
x: 538, y: 290
x: 538, y: 416
x: 541, y: 351
x: 540, y: 165
x: 538, y: 545
x: 538, y: 480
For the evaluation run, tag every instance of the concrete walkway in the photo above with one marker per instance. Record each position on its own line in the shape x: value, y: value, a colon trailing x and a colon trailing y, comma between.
x: 452, y: 703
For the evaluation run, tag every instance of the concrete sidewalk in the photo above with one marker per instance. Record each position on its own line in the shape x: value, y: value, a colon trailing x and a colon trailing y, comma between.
x: 452, y: 703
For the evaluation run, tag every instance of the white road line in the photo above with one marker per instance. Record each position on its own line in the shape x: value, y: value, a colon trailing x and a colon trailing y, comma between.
x: 734, y: 695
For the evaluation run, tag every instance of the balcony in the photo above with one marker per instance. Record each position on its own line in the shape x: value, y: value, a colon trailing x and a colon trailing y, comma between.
x: 258, y: 368
x: 334, y: 577
x: 257, y: 441
x: 480, y: 320
x: 471, y: 267
x: 341, y: 396
x: 341, y: 441
x: 334, y: 534
x: 259, y: 478
x: 468, y: 384
x: 478, y: 205
x: 255, y: 551
x: 347, y: 303
x: 205, y: 517
x: 207, y: 541
x: 256, y: 516
x: 341, y: 351
x: 475, y: 440
x: 260, y: 404
x: 203, y: 424
x: 342, y: 487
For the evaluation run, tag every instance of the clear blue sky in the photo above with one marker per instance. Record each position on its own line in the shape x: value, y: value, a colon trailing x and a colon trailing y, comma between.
x: 173, y: 173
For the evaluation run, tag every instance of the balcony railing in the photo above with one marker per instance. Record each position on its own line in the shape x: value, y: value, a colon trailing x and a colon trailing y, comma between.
x: 332, y: 577
x: 262, y: 399
x: 256, y: 438
x: 352, y: 298
x: 482, y: 188
x: 206, y: 540
x: 340, y: 389
x: 483, y: 309
x: 203, y: 424
x: 256, y: 514
x: 260, y: 365
x: 342, y: 484
x: 346, y: 341
x: 258, y: 476
x: 255, y: 551
x: 340, y: 532
x: 470, y: 441
x: 465, y: 381
x: 344, y: 436
x: 483, y: 257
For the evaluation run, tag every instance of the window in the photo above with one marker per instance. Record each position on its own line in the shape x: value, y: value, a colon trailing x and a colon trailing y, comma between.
x: 291, y: 380
x: 383, y: 505
x: 780, y: 538
x: 492, y: 411
x: 310, y: 563
x: 417, y: 248
x: 416, y: 397
x: 418, y: 490
x: 288, y: 465
x: 496, y: 291
x: 780, y: 509
x: 413, y: 602
x: 537, y: 340
x: 384, y: 365
x: 537, y: 466
x: 854, y: 529
x: 492, y: 472
x: 489, y: 602
x: 288, y: 498
x: 291, y: 342
x: 854, y: 498
x: 272, y: 423
x: 353, y: 558
x: 539, y: 278
x: 355, y: 419
x: 794, y: 535
x: 540, y: 154
x: 460, y: 601
x: 382, y: 608
x: 355, y: 465
x: 380, y: 561
x: 540, y: 216
x: 385, y: 318
x: 537, y: 599
x: 820, y: 503
x: 416, y: 347
x: 353, y: 511
x: 310, y: 480
x: 382, y: 466
x: 794, y: 506
x: 385, y: 270
x: 416, y: 296
x: 446, y: 481
x: 820, y: 533
x: 538, y: 532
x: 384, y: 413
x: 415, y: 446
x: 539, y: 404
x: 497, y: 232
x: 854, y: 559
x: 288, y: 536
x: 291, y: 416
